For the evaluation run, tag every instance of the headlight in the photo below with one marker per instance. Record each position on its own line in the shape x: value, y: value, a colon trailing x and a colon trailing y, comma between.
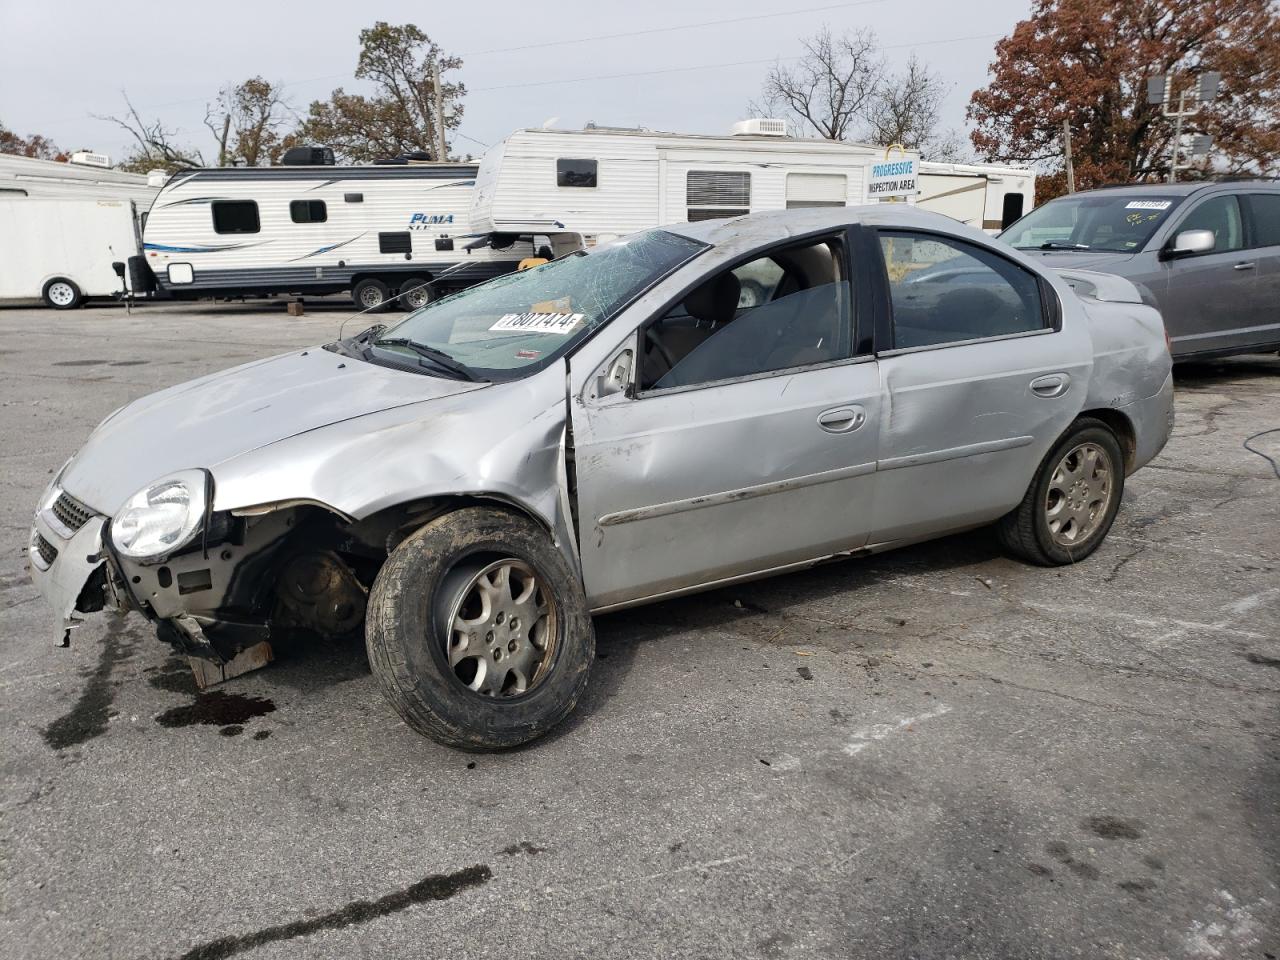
x: 162, y: 517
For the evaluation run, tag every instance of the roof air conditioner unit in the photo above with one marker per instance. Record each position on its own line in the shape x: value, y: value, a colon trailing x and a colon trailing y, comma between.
x: 760, y: 127
x: 87, y: 158
x: 307, y: 157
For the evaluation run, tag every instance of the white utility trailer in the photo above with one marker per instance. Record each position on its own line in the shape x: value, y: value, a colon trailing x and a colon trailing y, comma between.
x: 603, y: 182
x: 65, y: 251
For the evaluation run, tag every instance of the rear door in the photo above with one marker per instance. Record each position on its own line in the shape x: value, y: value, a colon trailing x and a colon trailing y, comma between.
x: 979, y: 377
x: 1210, y: 300
x: 1263, y: 211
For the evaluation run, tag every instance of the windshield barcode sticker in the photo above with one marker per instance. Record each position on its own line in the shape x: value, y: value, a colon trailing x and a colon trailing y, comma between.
x: 1148, y: 205
x: 539, y: 322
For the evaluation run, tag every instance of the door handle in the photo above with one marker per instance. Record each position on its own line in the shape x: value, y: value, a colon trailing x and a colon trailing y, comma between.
x: 842, y: 419
x: 1246, y: 265
x: 1051, y: 385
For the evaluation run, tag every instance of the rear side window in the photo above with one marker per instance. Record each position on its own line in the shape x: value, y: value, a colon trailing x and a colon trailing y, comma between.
x: 308, y: 211
x: 235, y: 216
x: 947, y: 291
x: 401, y: 242
x: 575, y: 173
x: 1265, y: 210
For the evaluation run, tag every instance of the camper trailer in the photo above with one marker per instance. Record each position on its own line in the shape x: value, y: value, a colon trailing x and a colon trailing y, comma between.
x: 65, y: 251
x: 87, y: 177
x: 601, y: 182
x: 380, y: 231
x: 985, y: 196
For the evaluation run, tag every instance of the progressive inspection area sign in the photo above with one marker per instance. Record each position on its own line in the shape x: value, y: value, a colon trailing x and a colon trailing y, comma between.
x: 894, y: 178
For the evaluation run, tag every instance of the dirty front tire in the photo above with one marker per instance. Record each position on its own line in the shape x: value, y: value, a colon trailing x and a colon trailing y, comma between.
x: 1068, y: 481
x: 412, y: 638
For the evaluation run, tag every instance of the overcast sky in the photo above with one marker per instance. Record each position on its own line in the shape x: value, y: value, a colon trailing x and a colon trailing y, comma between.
x: 63, y: 60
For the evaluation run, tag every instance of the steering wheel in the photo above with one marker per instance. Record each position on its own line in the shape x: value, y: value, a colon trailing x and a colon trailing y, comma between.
x: 658, y: 345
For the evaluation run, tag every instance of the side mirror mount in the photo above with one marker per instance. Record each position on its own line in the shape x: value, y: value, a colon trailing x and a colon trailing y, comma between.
x: 1188, y: 243
x: 616, y: 376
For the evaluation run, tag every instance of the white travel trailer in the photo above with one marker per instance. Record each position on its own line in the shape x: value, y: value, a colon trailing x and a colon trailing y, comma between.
x: 985, y: 196
x: 601, y: 182
x: 64, y: 251
x: 380, y: 231
x: 87, y: 177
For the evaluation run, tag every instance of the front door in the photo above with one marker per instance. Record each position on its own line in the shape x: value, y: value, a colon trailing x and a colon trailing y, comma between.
x: 747, y: 442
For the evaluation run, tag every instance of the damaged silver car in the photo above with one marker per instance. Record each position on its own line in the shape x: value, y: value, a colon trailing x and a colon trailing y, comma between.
x: 681, y: 409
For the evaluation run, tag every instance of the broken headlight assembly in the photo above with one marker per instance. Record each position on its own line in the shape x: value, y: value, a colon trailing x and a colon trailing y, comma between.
x: 162, y: 517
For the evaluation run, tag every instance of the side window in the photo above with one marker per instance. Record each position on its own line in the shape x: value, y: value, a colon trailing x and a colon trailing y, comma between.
x: 235, y: 216
x: 400, y: 242
x: 575, y: 173
x: 789, y: 309
x: 308, y: 211
x: 947, y: 291
x: 712, y: 194
x: 1222, y: 216
x: 1265, y: 210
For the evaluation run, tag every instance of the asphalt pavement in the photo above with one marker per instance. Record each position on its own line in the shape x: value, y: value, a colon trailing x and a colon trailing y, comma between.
x: 937, y: 752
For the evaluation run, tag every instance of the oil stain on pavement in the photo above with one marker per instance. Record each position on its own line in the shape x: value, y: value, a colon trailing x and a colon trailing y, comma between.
x: 89, y: 717
x: 217, y: 709
x: 435, y: 887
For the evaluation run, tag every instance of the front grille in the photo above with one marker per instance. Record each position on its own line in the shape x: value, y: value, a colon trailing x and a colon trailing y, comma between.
x: 48, y: 552
x: 71, y: 511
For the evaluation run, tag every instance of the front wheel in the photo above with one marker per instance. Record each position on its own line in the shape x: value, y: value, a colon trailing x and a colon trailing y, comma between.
x: 62, y: 294
x: 478, y: 630
x: 1072, y: 501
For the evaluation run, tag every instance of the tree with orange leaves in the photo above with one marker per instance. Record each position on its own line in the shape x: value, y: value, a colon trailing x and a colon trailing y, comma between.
x: 1087, y: 62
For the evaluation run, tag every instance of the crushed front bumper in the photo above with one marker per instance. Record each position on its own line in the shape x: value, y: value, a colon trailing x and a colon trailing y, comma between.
x: 68, y: 562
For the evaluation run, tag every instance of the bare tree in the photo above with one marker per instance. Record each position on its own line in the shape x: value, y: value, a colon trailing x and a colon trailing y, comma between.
x: 155, y: 146
x: 246, y: 120
x: 907, y: 109
x: 831, y: 87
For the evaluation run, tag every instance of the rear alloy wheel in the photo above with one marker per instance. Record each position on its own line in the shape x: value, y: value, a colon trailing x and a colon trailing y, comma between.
x: 370, y: 294
x: 1072, y: 501
x: 478, y: 630
x: 62, y: 294
x: 415, y: 293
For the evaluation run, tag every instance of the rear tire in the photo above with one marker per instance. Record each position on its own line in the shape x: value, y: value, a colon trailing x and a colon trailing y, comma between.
x: 1072, y: 500
x: 62, y: 294
x: 443, y: 639
x: 415, y: 294
x: 371, y: 294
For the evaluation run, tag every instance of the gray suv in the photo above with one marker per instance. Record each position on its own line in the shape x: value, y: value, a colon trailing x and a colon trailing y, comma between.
x: 1206, y: 254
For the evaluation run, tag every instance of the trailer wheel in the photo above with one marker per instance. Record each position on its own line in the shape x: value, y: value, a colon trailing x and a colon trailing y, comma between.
x: 370, y: 294
x: 62, y: 294
x: 415, y: 294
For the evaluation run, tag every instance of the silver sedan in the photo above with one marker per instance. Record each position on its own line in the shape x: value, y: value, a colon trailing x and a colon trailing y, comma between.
x: 681, y: 409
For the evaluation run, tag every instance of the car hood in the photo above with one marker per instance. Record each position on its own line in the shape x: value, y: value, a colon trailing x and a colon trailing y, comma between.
x: 1080, y: 260
x: 208, y: 421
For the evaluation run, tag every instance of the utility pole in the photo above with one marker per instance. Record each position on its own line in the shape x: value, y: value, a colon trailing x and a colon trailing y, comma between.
x: 441, y: 150
x: 1066, y: 148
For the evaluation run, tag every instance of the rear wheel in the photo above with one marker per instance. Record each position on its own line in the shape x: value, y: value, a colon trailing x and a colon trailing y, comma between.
x: 414, y: 293
x: 1072, y: 501
x: 478, y: 631
x: 62, y: 294
x: 370, y: 294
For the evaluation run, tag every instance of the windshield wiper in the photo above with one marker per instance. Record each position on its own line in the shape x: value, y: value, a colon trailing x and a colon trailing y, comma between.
x: 1058, y: 245
x: 438, y: 357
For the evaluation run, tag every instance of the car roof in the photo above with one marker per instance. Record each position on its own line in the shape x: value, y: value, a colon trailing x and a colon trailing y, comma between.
x: 779, y: 224
x: 1183, y: 189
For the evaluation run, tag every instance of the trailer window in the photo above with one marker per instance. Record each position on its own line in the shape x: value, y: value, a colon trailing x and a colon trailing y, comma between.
x: 575, y: 173
x: 1011, y: 210
x: 235, y: 216
x: 712, y: 194
x: 817, y: 190
x: 308, y: 211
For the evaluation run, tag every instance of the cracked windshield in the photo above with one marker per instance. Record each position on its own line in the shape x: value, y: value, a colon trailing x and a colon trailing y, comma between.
x: 1118, y: 224
x: 526, y: 319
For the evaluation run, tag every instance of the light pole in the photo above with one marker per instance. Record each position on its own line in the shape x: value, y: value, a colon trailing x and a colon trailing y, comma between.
x: 1190, y: 100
